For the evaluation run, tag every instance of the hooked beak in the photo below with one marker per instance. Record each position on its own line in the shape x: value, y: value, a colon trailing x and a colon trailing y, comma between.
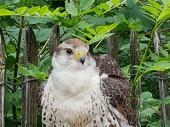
x: 80, y: 55
x: 82, y: 59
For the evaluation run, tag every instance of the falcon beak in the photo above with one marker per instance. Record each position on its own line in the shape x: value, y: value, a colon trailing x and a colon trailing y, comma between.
x: 80, y: 55
x: 82, y: 59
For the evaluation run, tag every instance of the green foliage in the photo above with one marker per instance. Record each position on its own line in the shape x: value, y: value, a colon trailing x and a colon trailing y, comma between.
x: 33, y: 71
x: 92, y: 21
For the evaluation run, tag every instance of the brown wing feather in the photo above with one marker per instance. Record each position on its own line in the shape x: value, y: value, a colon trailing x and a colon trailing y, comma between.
x: 40, y: 92
x: 116, y: 87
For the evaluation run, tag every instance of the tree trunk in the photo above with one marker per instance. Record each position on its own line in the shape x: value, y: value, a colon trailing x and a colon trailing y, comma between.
x: 29, y: 104
x: 136, y: 88
x: 2, y: 79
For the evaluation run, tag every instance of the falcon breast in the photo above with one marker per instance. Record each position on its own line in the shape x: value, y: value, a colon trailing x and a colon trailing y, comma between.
x: 83, y: 91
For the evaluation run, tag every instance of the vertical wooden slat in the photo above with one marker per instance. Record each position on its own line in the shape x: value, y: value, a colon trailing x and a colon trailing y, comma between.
x: 161, y: 83
x: 112, y: 47
x: 29, y: 104
x: 134, y: 53
x: 2, y: 79
x: 54, y: 39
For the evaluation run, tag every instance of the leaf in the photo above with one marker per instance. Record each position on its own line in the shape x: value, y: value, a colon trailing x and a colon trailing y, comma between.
x: 92, y: 31
x: 167, y: 100
x: 21, y: 10
x: 104, y: 6
x: 5, y: 12
x: 115, y: 2
x: 32, y: 71
x: 105, y: 29
x: 86, y: 34
x: 165, y: 14
x: 148, y: 112
x: 164, y: 52
x: 34, y: 10
x: 44, y: 10
x: 56, y: 12
x: 86, y: 4
x: 71, y: 8
x: 146, y: 95
x: 83, y: 24
x: 152, y: 10
x: 159, y: 66
x: 100, y: 37
x: 155, y: 4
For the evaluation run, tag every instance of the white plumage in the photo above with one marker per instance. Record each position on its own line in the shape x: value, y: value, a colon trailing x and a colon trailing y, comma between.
x: 72, y: 95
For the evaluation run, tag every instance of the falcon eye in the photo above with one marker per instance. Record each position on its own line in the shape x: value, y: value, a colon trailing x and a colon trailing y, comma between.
x: 69, y: 51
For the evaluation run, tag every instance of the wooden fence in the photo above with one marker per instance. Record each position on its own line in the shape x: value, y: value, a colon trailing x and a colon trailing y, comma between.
x: 29, y: 105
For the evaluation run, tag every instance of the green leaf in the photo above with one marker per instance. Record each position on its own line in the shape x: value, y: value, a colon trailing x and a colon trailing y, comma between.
x: 86, y: 4
x: 155, y: 4
x: 92, y: 31
x: 164, y: 52
x: 5, y: 12
x: 83, y: 24
x: 32, y: 71
x: 165, y: 14
x: 105, y: 29
x: 146, y: 95
x: 21, y: 10
x: 104, y: 6
x: 86, y: 34
x: 167, y: 100
x: 100, y: 37
x: 148, y: 112
x: 115, y: 2
x: 57, y: 12
x: 44, y: 10
x: 154, y: 11
x: 159, y: 66
x: 71, y: 9
x: 34, y: 10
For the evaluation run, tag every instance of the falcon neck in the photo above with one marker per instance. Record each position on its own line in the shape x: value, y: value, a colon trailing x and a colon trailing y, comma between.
x: 68, y: 84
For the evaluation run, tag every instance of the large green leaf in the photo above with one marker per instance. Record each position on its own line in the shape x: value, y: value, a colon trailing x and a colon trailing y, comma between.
x: 21, y: 10
x: 44, y: 10
x: 86, y: 4
x: 5, y: 12
x: 71, y: 8
x: 34, y: 10
x: 159, y: 66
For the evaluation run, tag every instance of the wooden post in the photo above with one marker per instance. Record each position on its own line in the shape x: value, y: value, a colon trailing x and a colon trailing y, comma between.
x: 162, y: 85
x: 29, y: 104
x: 54, y: 39
x: 135, y: 93
x: 2, y: 79
x: 112, y: 47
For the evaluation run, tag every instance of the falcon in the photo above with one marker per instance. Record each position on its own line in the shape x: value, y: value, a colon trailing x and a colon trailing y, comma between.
x: 85, y: 91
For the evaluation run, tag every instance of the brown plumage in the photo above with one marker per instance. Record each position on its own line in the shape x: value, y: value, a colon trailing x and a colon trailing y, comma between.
x: 116, y: 86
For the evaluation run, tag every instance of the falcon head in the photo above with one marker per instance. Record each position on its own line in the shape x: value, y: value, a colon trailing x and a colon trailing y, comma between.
x: 73, y: 54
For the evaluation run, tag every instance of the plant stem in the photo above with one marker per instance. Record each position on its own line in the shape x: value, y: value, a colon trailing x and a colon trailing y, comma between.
x: 14, y: 85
